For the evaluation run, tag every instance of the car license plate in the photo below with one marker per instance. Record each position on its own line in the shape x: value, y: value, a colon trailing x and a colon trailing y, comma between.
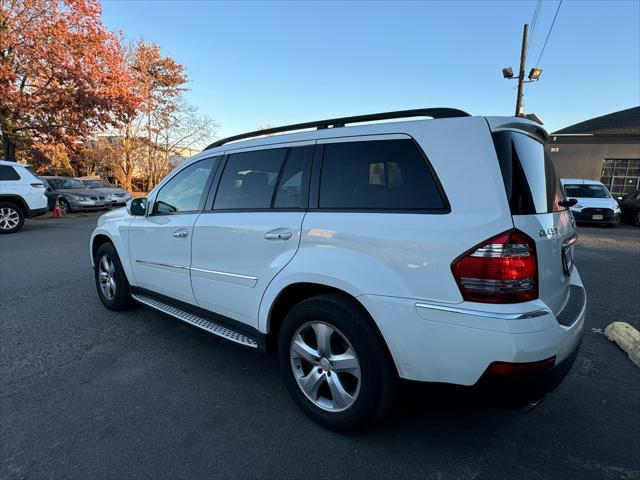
x: 567, y: 259
x: 596, y: 217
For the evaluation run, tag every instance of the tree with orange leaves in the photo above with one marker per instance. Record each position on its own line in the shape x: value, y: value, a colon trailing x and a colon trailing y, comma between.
x: 62, y: 75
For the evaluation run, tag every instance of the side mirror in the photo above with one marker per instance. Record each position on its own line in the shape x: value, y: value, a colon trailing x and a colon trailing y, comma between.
x: 568, y: 203
x: 137, y: 207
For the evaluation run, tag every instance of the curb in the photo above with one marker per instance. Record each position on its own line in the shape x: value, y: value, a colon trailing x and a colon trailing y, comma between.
x: 627, y: 338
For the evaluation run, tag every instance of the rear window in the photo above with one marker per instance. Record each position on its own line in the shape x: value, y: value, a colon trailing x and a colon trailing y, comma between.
x: 586, y: 191
x: 530, y: 180
x: 8, y: 173
x: 377, y: 175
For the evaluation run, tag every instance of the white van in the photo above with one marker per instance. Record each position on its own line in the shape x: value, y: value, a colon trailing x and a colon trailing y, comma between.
x: 595, y: 204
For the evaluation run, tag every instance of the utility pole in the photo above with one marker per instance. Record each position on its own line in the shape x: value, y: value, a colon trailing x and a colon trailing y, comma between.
x: 534, y: 74
x: 523, y: 55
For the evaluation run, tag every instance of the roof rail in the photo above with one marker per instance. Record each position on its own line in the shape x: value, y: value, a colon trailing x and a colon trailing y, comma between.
x: 341, y: 122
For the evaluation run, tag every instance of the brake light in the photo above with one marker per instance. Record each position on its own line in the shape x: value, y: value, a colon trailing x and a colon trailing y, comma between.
x: 503, y: 269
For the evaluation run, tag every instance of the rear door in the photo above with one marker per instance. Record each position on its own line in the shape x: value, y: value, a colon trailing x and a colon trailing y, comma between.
x: 252, y: 229
x: 534, y: 192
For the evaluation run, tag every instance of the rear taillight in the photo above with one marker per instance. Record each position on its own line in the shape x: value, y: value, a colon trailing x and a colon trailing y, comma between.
x: 503, y: 269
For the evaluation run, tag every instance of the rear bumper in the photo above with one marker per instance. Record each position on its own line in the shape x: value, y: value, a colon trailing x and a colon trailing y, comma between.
x: 530, y: 386
x: 447, y: 346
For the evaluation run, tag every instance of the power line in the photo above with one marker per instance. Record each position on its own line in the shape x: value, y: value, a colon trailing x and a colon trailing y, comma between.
x: 549, y: 33
x: 534, y: 22
x: 546, y: 39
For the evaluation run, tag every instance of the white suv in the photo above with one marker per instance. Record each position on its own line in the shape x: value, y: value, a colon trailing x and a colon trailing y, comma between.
x: 21, y: 196
x: 433, y: 250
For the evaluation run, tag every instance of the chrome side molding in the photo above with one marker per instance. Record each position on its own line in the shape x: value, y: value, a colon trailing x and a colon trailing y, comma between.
x: 480, y: 313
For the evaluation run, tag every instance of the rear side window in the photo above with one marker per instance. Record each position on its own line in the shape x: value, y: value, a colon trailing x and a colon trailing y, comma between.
x: 530, y: 180
x: 378, y: 175
x: 249, y: 180
x: 8, y: 173
x: 290, y: 184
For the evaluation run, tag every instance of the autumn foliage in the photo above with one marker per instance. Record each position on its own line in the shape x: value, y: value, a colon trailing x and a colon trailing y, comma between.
x: 62, y: 76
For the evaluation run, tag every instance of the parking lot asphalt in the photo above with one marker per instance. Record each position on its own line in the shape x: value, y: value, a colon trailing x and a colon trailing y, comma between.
x: 91, y: 394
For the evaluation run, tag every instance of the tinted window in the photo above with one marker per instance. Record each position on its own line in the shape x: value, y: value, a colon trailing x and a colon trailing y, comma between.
x: 586, y: 191
x: 290, y: 188
x: 8, y: 173
x: 530, y: 180
x: 66, y: 183
x: 185, y: 191
x: 249, y: 179
x: 385, y: 174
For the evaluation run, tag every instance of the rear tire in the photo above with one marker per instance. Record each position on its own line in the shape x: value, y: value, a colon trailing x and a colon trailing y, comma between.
x: 11, y: 217
x: 344, y: 382
x: 636, y: 218
x: 111, y: 281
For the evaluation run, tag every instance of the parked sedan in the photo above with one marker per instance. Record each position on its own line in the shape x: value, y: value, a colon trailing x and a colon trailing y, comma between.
x: 119, y: 196
x: 74, y: 195
x: 630, y: 206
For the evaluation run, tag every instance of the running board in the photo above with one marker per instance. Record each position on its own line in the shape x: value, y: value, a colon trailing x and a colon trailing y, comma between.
x: 195, y: 320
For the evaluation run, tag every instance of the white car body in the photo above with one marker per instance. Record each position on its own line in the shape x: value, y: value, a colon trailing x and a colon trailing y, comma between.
x: 398, y: 266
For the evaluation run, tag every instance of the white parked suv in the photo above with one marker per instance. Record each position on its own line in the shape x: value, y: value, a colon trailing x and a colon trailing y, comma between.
x: 436, y: 250
x: 22, y: 195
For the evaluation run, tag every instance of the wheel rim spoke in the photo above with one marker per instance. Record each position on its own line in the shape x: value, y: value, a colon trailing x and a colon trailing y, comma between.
x: 323, y: 337
x: 304, y: 350
x: 340, y: 396
x: 311, y: 383
x: 346, y: 362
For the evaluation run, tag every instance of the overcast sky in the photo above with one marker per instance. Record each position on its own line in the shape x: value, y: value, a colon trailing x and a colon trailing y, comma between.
x: 253, y: 63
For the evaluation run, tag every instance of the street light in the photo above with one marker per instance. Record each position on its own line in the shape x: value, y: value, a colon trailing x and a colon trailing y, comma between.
x: 507, y: 72
x: 535, y: 73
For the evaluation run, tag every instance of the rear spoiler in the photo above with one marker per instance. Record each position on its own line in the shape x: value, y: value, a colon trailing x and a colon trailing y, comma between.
x: 497, y: 124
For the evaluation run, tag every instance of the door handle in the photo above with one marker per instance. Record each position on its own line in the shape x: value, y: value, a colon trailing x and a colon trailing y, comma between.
x: 277, y: 235
x: 181, y: 234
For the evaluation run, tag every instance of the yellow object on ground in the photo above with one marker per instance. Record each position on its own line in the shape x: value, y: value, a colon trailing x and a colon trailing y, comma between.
x: 627, y: 337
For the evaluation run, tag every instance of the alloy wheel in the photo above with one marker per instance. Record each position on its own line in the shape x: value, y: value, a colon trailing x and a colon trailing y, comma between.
x: 106, y: 277
x: 325, y: 366
x: 9, y: 218
x: 64, y: 206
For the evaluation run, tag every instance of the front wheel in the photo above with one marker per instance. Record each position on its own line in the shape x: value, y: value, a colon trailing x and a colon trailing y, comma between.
x: 636, y: 218
x: 111, y: 281
x: 334, y: 363
x: 11, y: 218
